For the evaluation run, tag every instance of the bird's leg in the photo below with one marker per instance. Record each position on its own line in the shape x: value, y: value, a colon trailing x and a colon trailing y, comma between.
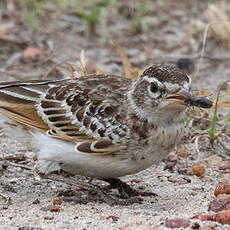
x: 104, y: 196
x: 125, y: 190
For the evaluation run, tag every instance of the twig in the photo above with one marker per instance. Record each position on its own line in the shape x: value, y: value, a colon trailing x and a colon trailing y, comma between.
x: 18, y: 165
x: 17, y: 157
x: 202, y: 51
x: 7, y: 198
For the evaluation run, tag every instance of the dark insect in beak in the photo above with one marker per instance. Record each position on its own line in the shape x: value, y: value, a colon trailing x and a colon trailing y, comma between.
x: 191, y: 100
x: 202, y: 102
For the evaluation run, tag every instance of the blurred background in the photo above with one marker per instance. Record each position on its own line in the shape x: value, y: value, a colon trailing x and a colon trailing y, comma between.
x: 36, y: 36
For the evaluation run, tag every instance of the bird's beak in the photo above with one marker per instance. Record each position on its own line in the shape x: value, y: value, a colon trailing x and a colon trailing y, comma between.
x: 184, y: 97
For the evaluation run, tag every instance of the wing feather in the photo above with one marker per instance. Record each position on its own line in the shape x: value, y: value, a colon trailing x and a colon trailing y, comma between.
x: 17, y: 103
x: 70, y: 110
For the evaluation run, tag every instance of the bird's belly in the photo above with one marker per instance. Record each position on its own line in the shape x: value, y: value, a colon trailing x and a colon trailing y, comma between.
x: 54, y: 154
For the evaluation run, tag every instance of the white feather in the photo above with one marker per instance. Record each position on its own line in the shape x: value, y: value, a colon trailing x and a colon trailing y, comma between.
x: 15, y: 131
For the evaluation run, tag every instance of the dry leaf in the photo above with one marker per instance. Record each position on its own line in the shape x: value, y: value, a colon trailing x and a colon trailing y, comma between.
x: 223, y: 104
x: 130, y: 72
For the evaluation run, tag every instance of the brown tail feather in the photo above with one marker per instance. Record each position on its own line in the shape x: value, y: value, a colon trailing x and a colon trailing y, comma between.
x: 18, y: 101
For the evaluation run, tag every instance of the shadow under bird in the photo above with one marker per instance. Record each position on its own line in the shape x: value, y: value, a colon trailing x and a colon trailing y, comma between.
x: 103, y: 126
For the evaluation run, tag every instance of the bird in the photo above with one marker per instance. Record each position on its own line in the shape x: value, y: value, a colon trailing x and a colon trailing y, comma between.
x: 103, y: 126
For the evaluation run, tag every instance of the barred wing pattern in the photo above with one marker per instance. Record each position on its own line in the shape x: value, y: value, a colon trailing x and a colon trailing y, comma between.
x: 18, y: 99
x: 74, y: 110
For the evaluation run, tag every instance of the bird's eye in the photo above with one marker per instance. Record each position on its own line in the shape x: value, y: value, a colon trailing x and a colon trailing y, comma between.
x: 153, y: 87
x: 155, y: 90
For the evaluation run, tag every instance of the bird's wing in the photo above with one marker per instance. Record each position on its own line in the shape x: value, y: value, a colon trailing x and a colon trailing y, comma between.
x: 72, y: 110
x: 18, y: 99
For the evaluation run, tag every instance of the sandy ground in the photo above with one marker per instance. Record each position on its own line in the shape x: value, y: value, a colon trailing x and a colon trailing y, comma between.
x: 177, y: 30
x: 180, y: 195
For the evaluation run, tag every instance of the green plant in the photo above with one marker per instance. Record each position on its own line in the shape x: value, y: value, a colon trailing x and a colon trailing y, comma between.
x: 139, y: 15
x: 96, y: 13
x: 31, y: 10
x: 212, y: 131
x: 62, y: 4
x: 90, y: 15
x: 228, y: 117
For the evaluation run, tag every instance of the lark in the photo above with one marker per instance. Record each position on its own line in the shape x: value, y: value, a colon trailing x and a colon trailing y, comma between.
x: 103, y: 126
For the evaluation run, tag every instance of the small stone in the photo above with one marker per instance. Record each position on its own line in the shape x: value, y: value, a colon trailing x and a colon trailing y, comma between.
x: 222, y: 217
x: 37, y: 201
x: 114, y: 218
x: 198, y: 170
x: 225, y: 166
x: 54, y: 208
x: 195, y: 225
x: 177, y: 223
x: 214, y: 160
x: 172, y: 157
x: 170, y: 166
x: 223, y: 187
x: 48, y: 217
x: 222, y: 202
x: 57, y: 201
x: 182, y: 153
x: 179, y: 180
x: 136, y: 181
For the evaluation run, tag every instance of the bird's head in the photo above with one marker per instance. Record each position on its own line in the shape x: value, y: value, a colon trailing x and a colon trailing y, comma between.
x: 161, y: 95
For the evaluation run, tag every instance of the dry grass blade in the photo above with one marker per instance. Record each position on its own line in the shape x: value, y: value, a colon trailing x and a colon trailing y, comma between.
x: 130, y: 72
x: 227, y: 95
x: 8, y: 163
x: 223, y: 104
x: 82, y: 64
x: 202, y: 52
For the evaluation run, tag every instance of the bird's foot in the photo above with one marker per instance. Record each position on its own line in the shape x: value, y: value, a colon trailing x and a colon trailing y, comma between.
x: 114, y: 200
x: 125, y: 190
x: 95, y: 192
